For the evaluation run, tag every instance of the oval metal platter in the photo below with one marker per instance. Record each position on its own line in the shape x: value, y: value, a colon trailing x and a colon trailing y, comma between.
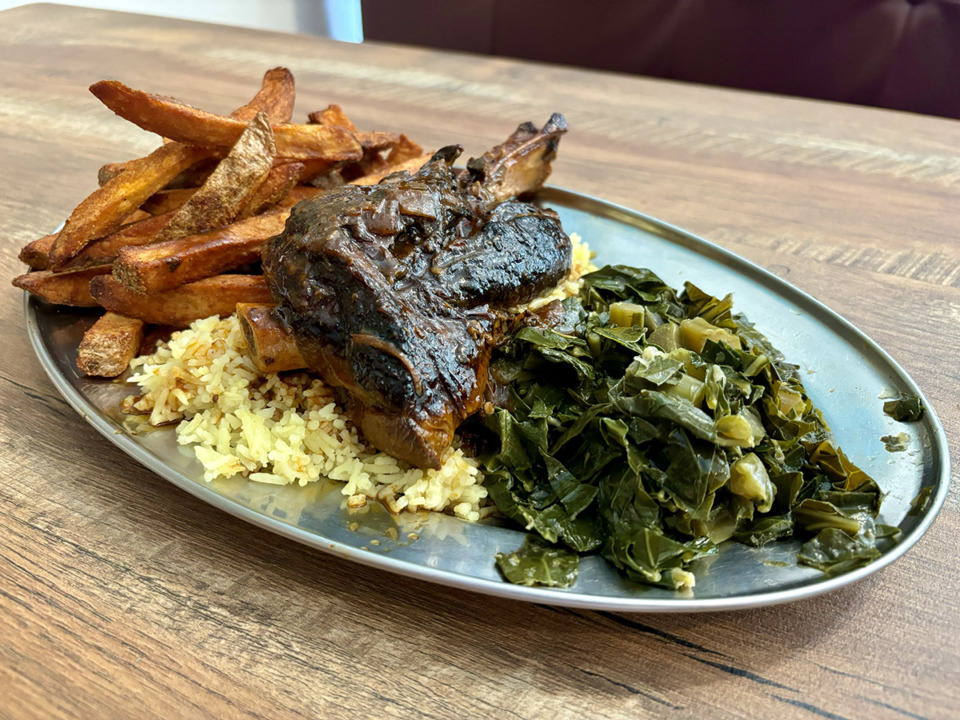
x: 844, y: 372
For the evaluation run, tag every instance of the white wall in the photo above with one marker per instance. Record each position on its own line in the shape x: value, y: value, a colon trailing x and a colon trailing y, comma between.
x: 339, y: 19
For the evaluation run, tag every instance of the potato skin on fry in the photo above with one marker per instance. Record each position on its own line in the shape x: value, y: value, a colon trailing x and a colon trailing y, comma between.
x: 274, y: 188
x: 178, y: 308
x: 109, y: 345
x: 219, y: 200
x: 166, y: 265
x: 36, y: 253
x: 156, y: 267
x: 332, y: 115
x: 69, y: 288
x: 220, y: 187
x: 195, y: 127
x: 105, y: 209
x: 275, y: 98
x: 104, y: 250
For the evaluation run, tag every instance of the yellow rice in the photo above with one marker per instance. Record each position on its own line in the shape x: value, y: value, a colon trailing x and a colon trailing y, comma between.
x: 288, y: 428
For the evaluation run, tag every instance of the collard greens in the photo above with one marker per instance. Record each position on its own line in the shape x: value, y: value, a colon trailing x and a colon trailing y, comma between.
x: 651, y: 426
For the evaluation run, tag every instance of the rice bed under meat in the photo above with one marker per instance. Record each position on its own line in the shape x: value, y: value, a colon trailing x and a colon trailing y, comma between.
x: 288, y: 428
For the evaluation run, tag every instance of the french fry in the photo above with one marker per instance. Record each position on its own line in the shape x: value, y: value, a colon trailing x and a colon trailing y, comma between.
x: 165, y: 265
x: 167, y: 200
x: 192, y: 177
x: 196, y: 127
x: 269, y: 342
x: 372, y: 143
x: 274, y: 188
x: 104, y: 250
x: 109, y: 345
x: 105, y: 209
x: 325, y: 175
x: 69, y: 288
x: 162, y: 266
x: 108, y: 171
x: 36, y: 253
x: 274, y: 99
x: 377, y: 140
x: 403, y: 150
x: 137, y: 234
x: 178, y: 308
x: 332, y: 115
x: 219, y: 200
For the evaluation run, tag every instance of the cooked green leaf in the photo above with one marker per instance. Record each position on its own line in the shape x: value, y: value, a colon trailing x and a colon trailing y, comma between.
x: 766, y: 529
x: 834, y: 551
x: 536, y: 563
x: 651, y: 426
x: 905, y: 406
x: 921, y: 500
x: 896, y: 443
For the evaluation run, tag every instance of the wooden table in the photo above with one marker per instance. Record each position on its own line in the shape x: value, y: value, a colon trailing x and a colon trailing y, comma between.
x: 121, y: 595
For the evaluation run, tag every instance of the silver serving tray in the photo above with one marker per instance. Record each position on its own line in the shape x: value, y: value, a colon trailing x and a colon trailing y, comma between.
x: 844, y: 372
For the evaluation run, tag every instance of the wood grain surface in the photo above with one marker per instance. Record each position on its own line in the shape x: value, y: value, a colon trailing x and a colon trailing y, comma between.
x: 122, y: 596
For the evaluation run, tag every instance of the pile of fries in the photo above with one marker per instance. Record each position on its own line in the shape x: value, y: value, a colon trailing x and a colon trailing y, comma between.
x: 165, y: 238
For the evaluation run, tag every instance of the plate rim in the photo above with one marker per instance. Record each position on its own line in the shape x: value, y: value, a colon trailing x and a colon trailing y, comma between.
x: 500, y: 588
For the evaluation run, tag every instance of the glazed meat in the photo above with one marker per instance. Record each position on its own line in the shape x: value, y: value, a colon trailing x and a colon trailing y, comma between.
x: 398, y: 292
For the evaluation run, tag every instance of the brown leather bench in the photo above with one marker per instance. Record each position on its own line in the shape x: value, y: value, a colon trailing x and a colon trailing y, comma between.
x: 902, y: 54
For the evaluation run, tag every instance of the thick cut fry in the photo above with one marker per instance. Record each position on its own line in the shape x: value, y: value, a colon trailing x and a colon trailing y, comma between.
x: 192, y: 177
x: 225, y: 192
x: 105, y: 210
x: 166, y: 265
x: 109, y: 345
x: 217, y: 295
x: 108, y: 171
x: 167, y: 200
x: 145, y: 232
x: 71, y: 288
x: 36, y: 253
x: 274, y: 188
x: 372, y: 143
x: 377, y: 140
x: 269, y: 342
x: 320, y: 173
x: 104, y: 250
x: 156, y: 267
x: 332, y: 115
x: 274, y: 99
x: 196, y: 127
x: 403, y: 150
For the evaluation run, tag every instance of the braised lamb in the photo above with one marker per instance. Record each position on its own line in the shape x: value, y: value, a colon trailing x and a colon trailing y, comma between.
x: 398, y: 292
